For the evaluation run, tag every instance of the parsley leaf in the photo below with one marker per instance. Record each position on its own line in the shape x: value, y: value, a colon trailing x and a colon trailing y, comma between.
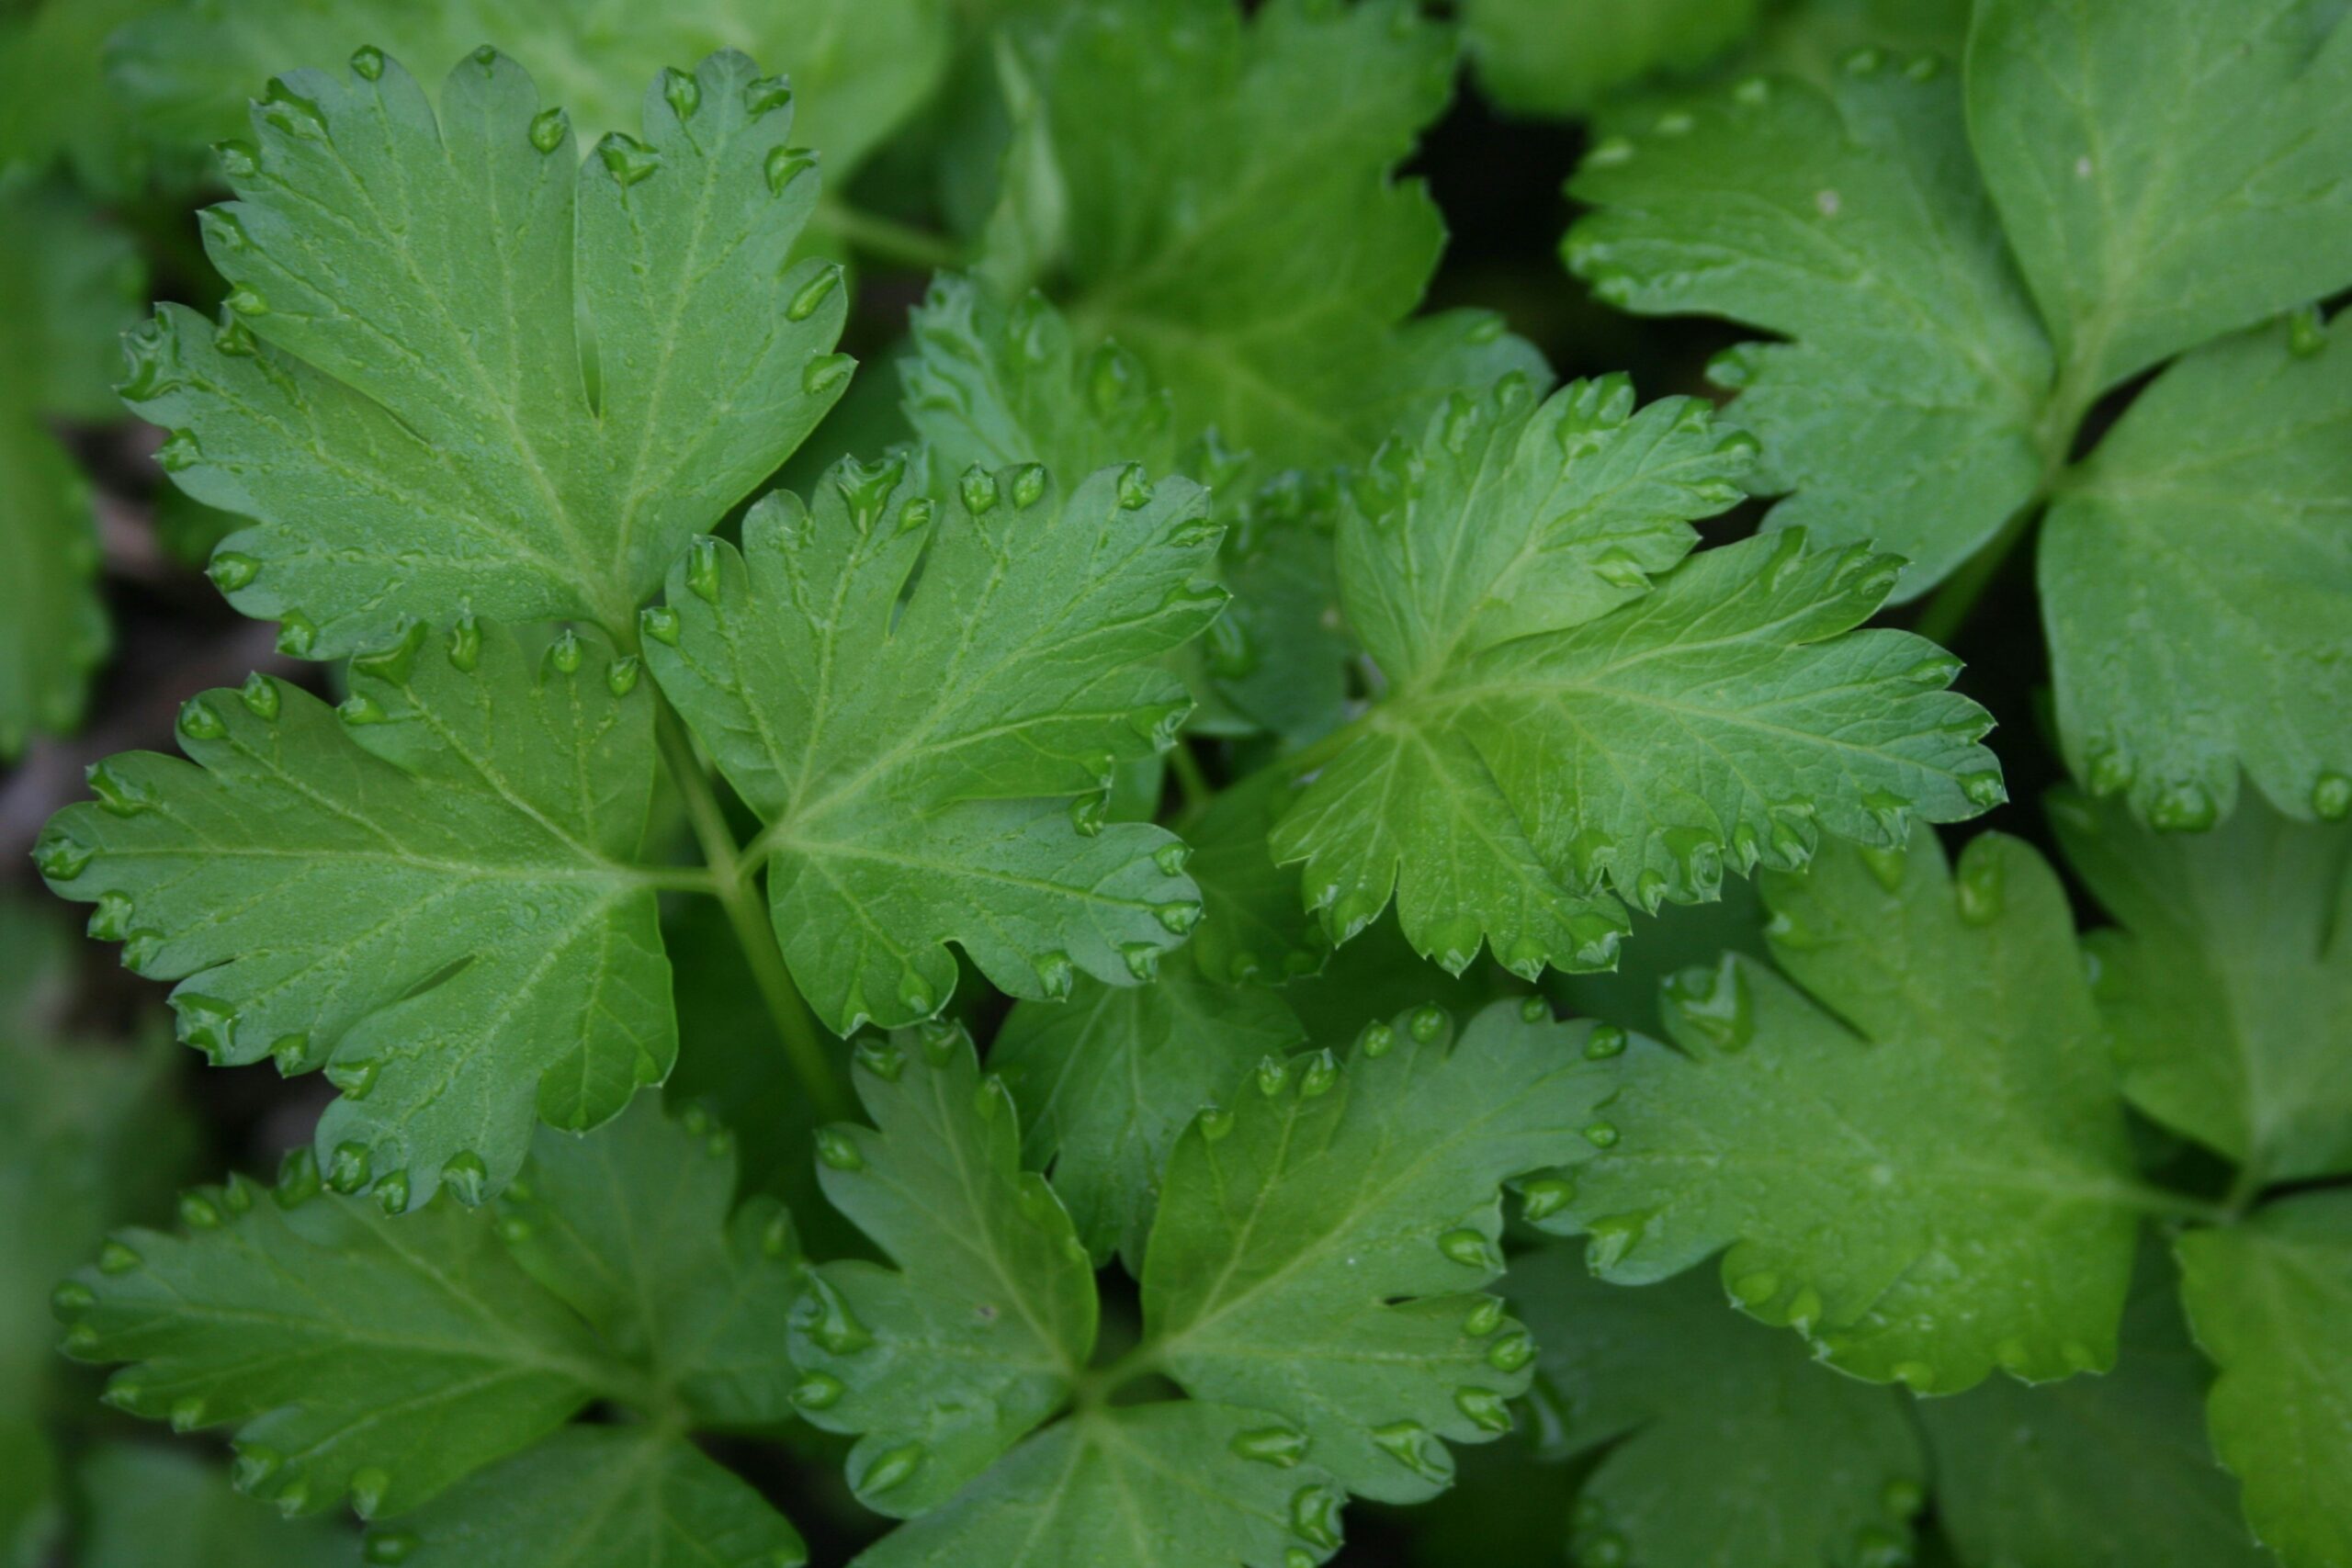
x: 1259, y: 266
x: 389, y: 1358
x: 857, y: 67
x: 596, y: 1498
x: 1501, y: 571
x: 1917, y: 1160
x: 916, y: 765
x: 1145, y: 1486
x: 430, y: 891
x: 2168, y: 170
x: 2195, y: 578
x: 1905, y: 412
x: 2268, y: 1300
x: 1723, y: 1442
x: 2229, y: 988
x: 2110, y: 1472
x: 462, y: 369
x: 943, y: 1364
x: 1319, y: 1245
x: 1107, y: 1081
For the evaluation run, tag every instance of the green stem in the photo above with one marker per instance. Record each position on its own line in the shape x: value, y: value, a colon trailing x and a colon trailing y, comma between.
x: 2244, y: 1190
x: 887, y: 239
x: 2164, y: 1204
x: 731, y: 882
x: 1096, y: 1387
x: 1949, y: 609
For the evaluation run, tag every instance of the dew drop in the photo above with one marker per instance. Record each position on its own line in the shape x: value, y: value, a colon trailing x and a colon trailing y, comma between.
x: 892, y: 1468
x: 1321, y: 1072
x: 818, y: 1390
x: 297, y: 634
x: 347, y: 1171
x: 1314, y: 1517
x: 1377, y: 1041
x: 628, y: 160
x: 659, y: 623
x: 1278, y: 1446
x: 115, y: 1257
x: 1179, y: 916
x: 1470, y: 1249
x: 466, y: 1176
x: 621, y: 678
x: 549, y: 129
x: 564, y: 652
x: 392, y: 1192
x: 681, y: 91
x: 367, y: 63
x: 1028, y: 485
x: 837, y: 1149
x: 1415, y: 1447
x: 2332, y: 797
x: 785, y: 164
x: 1544, y: 1197
x: 813, y: 294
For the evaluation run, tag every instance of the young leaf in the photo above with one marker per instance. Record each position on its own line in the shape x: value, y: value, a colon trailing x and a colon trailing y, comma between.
x: 1146, y: 1486
x: 429, y: 891
x: 1319, y: 1244
x: 154, y: 1508
x: 2195, y: 578
x: 916, y: 765
x: 1259, y: 266
x: 1906, y: 409
x: 595, y: 1497
x: 2229, y: 988
x: 354, y: 1352
x: 392, y: 1358
x: 2268, y: 1300
x: 1723, y: 1442
x: 1550, y: 58
x: 632, y: 1230
x: 2110, y: 1472
x: 1108, y: 1080
x: 1254, y: 929
x: 943, y: 1364
x: 463, y: 369
x: 995, y: 386
x: 2168, y: 170
x: 1917, y: 1160
x: 857, y: 67
x: 1558, y: 727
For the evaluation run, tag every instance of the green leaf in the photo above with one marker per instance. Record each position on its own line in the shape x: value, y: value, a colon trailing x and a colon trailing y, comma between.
x: 2168, y: 171
x: 1258, y: 264
x: 1107, y: 1080
x: 2195, y: 578
x: 429, y: 891
x: 947, y: 1361
x: 1906, y: 409
x: 1558, y: 726
x: 993, y: 386
x: 596, y: 1498
x: 2229, y: 987
x: 1378, y: 976
x: 74, y: 282
x: 1320, y: 1242
x: 2095, y: 1472
x: 632, y: 1230
x: 916, y: 765
x: 53, y: 627
x: 88, y: 1135
x: 1917, y: 1160
x: 2268, y: 1300
x: 1549, y: 58
x: 152, y: 1508
x: 1723, y: 1443
x: 354, y: 1352
x: 1147, y: 1486
x: 53, y: 103
x: 398, y: 392
x: 393, y: 1358
x: 857, y: 67
x: 1660, y: 946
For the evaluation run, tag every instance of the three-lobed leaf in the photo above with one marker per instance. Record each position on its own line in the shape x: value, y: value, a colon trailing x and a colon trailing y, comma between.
x: 463, y: 369
x: 1913, y: 1146
x: 1563, y: 728
x: 934, y: 770
x: 431, y: 891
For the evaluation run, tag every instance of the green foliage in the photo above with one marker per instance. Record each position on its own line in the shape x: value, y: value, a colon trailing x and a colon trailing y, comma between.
x: 388, y: 1358
x: 2268, y: 1300
x: 1117, y: 742
x: 858, y: 67
x: 426, y: 406
x: 1695, y: 1410
x: 1919, y: 1165
x: 1987, y: 244
x: 1501, y: 571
